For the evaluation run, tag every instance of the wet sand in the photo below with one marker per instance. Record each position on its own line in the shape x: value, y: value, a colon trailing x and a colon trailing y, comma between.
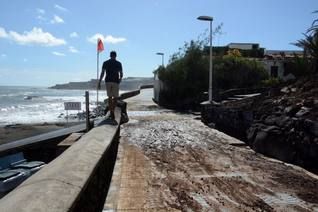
x: 15, y: 132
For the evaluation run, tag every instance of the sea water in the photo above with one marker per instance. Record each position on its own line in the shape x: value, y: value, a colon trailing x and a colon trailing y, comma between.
x: 20, y: 105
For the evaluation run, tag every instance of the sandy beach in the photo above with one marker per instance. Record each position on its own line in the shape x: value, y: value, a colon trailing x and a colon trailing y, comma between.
x: 15, y: 132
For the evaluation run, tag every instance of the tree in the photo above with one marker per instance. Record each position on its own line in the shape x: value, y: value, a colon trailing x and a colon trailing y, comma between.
x: 310, y: 44
x: 186, y: 76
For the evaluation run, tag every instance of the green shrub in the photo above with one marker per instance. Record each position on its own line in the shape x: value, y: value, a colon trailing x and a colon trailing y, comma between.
x: 237, y: 72
x: 271, y: 82
x: 186, y: 77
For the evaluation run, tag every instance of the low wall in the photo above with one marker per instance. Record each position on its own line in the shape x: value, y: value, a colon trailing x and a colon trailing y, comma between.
x: 75, y: 181
x: 132, y: 93
x: 232, y: 121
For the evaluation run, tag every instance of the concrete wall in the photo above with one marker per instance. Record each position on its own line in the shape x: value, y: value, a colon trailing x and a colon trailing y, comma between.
x: 76, y: 181
x: 281, y: 70
x: 232, y: 121
x: 280, y: 64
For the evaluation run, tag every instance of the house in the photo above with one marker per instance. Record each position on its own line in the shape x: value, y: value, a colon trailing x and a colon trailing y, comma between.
x: 243, y: 46
x: 276, y: 63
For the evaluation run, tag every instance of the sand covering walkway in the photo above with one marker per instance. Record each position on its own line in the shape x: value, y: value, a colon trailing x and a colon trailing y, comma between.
x: 173, y: 162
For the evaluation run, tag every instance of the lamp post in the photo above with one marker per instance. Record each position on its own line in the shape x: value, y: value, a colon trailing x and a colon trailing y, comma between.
x: 162, y: 55
x: 210, y: 19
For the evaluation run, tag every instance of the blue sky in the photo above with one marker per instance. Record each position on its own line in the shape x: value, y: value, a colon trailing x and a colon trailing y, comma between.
x: 46, y: 42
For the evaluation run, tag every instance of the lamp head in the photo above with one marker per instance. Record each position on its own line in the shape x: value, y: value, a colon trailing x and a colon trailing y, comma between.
x: 205, y: 18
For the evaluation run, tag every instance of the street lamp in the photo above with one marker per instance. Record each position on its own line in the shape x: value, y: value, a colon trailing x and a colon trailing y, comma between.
x: 162, y: 55
x: 209, y: 18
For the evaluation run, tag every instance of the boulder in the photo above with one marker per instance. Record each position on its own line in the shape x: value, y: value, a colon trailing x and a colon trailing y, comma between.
x: 311, y: 126
x: 292, y: 110
x: 302, y: 112
x: 285, y: 90
x: 284, y: 122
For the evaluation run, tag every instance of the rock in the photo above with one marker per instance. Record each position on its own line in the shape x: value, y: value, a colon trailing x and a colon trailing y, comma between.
x: 251, y: 134
x: 272, y: 129
x: 303, y: 111
x: 309, y: 103
x: 259, y: 143
x: 284, y: 122
x: 292, y: 110
x: 285, y: 90
x: 211, y: 125
x: 267, y: 102
x: 308, y: 86
x: 270, y: 120
x: 311, y: 126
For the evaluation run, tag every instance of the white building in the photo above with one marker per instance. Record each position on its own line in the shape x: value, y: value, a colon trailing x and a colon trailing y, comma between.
x: 243, y: 46
x: 275, y: 62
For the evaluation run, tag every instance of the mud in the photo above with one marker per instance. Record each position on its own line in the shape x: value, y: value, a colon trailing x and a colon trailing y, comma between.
x: 191, y: 167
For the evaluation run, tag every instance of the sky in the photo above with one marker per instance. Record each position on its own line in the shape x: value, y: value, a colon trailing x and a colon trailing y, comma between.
x: 46, y: 42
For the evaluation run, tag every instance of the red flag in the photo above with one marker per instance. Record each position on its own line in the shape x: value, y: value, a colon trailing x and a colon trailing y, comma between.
x: 100, y: 45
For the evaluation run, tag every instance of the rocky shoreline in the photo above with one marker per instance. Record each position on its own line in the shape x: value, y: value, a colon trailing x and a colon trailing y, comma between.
x: 282, y: 125
x: 286, y: 126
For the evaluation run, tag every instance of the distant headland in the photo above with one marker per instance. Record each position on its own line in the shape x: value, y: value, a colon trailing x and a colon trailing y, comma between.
x: 129, y: 83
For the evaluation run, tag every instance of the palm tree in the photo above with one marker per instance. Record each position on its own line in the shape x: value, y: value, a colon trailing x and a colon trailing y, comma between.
x: 310, y: 44
x: 314, y: 26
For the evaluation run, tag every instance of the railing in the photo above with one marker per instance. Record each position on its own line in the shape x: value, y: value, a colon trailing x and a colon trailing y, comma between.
x: 78, y: 179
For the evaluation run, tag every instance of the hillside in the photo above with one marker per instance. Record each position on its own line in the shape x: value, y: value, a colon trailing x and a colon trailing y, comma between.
x: 129, y: 83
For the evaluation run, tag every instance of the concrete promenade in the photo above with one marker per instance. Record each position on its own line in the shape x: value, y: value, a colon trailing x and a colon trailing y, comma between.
x: 172, y: 162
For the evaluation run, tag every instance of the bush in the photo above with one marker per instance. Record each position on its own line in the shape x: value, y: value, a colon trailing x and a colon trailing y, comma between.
x: 186, y: 77
x: 271, y: 82
x: 299, y: 66
x: 237, y: 72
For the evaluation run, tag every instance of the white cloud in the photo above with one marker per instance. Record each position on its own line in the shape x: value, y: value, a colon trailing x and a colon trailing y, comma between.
x: 40, y: 11
x: 58, y: 54
x: 114, y: 40
x: 41, y: 18
x: 74, y: 35
x: 57, y: 20
x: 73, y: 49
x: 106, y: 39
x: 36, y: 36
x: 60, y: 8
x: 3, y: 33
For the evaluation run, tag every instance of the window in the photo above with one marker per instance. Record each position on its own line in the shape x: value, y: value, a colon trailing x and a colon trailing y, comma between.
x: 274, y: 71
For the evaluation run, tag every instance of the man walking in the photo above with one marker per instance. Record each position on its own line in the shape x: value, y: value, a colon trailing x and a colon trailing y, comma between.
x: 114, y: 74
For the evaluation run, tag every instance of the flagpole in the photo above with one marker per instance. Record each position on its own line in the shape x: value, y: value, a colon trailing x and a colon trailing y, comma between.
x: 100, y: 47
x: 97, y: 76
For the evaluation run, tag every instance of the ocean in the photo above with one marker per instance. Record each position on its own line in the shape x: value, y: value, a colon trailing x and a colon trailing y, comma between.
x: 22, y: 105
